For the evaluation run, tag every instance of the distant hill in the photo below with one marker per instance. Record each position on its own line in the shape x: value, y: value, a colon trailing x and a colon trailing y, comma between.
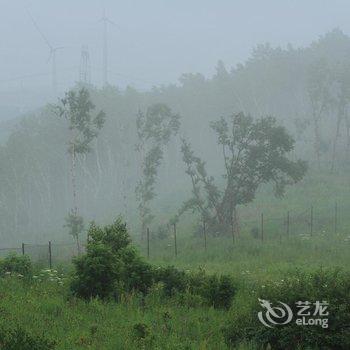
x: 306, y: 89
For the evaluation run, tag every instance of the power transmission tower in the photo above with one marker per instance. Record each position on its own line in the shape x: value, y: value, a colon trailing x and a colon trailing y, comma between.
x: 85, y: 69
x: 105, y: 20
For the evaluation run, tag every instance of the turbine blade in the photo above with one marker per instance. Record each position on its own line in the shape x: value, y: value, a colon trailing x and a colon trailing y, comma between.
x: 113, y: 23
x: 38, y: 29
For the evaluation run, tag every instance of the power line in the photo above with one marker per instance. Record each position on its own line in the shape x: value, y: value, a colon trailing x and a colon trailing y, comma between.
x: 34, y: 75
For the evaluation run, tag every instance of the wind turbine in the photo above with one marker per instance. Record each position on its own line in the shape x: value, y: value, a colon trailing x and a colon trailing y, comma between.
x: 52, y: 54
x: 105, y: 20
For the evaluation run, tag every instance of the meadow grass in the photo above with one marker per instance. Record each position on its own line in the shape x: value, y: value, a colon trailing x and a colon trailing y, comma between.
x: 47, y: 308
x: 74, y: 324
x: 155, y: 322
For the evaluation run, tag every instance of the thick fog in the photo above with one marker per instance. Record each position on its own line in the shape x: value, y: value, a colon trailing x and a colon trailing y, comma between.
x: 197, y: 60
x: 152, y: 42
x: 174, y: 174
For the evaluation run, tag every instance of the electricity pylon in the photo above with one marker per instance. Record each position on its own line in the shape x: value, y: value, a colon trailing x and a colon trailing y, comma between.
x: 85, y: 69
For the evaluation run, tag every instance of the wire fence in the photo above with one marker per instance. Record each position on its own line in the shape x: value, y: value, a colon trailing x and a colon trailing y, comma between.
x: 312, y: 221
x: 265, y: 227
x: 48, y: 254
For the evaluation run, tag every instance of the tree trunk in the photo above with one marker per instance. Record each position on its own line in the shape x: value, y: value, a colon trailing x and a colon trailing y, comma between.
x: 74, y: 189
x: 317, y: 141
x: 347, y: 122
x: 335, y: 141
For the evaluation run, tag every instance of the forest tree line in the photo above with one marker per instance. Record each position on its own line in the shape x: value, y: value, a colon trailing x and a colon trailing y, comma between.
x: 307, y: 90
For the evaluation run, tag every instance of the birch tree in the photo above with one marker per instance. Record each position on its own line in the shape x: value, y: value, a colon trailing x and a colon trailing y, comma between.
x: 155, y: 127
x: 77, y: 108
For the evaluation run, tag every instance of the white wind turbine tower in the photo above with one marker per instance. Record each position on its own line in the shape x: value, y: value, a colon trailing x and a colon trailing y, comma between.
x: 105, y: 20
x: 52, y: 53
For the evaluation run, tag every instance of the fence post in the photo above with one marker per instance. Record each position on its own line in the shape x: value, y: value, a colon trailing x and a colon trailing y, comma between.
x: 311, y: 220
x: 147, y: 242
x: 335, y: 217
x: 205, y: 236
x: 288, y: 223
x: 50, y: 256
x: 262, y: 227
x: 22, y: 248
x: 175, y: 242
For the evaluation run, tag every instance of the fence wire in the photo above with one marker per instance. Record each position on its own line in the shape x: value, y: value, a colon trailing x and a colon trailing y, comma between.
x: 311, y: 221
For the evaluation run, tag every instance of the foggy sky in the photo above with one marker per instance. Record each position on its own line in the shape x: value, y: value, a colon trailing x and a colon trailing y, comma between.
x: 155, y: 41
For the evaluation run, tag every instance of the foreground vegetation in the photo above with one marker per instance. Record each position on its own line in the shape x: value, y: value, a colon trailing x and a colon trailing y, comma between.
x: 41, y: 309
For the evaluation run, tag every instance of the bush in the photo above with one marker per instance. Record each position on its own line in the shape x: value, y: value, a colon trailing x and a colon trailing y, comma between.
x: 218, y: 291
x: 96, y: 272
x: 142, y: 335
x: 137, y: 274
x: 174, y: 280
x: 18, y: 339
x: 215, y: 291
x: 115, y: 236
x: 18, y: 264
x: 332, y: 286
x: 110, y: 266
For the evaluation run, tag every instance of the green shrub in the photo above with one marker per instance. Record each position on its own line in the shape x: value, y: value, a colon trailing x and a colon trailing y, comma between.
x: 19, y: 339
x: 138, y: 275
x: 140, y: 331
x: 143, y: 336
x: 212, y: 290
x: 17, y: 264
x: 110, y: 266
x: 332, y: 286
x: 114, y: 236
x: 96, y: 272
x: 174, y: 280
x: 218, y: 291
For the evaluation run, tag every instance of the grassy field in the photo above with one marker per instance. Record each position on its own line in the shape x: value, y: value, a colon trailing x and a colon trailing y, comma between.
x: 44, y: 306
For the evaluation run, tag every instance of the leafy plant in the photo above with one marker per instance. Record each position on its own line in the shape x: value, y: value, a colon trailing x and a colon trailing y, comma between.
x: 140, y: 331
x: 218, y: 291
x: 19, y: 264
x: 332, y: 286
x: 96, y: 272
x: 110, y: 266
x: 174, y: 280
x: 19, y: 339
x: 213, y: 290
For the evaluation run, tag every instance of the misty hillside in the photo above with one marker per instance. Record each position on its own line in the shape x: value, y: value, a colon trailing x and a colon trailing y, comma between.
x: 304, y: 88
